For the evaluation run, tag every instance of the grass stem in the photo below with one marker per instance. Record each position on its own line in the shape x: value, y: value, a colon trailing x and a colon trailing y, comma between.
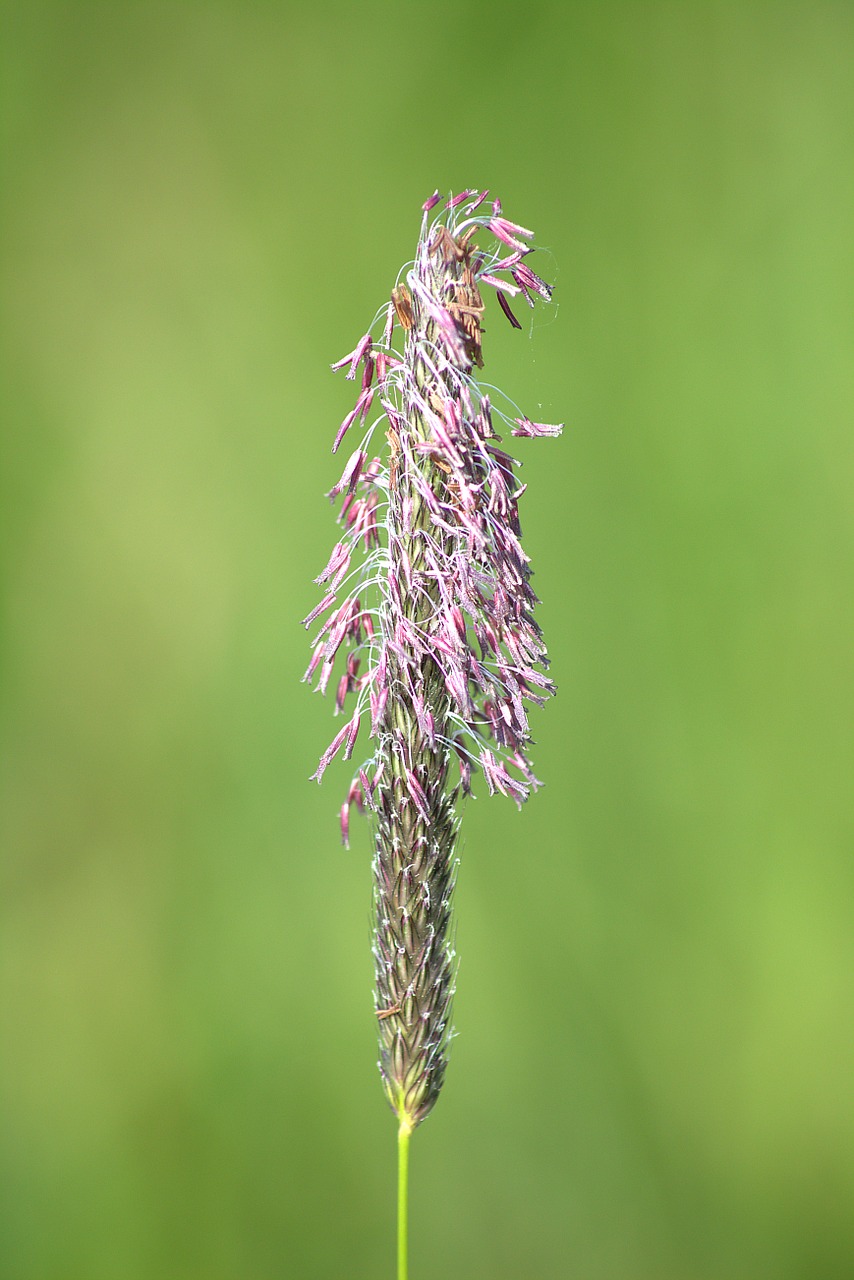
x: 404, y: 1133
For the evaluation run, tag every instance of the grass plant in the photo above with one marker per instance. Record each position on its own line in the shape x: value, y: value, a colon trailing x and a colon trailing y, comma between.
x: 427, y: 614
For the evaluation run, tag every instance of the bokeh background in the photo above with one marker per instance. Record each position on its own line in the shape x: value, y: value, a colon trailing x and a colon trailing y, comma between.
x: 202, y: 205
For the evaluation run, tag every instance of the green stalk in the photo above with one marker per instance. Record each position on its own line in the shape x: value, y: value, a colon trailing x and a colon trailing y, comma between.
x: 403, y: 1135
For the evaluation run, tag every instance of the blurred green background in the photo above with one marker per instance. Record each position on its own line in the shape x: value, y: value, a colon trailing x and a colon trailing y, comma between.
x: 202, y: 206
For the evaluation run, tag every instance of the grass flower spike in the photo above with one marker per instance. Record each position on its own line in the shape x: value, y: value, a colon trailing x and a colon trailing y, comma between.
x: 428, y: 613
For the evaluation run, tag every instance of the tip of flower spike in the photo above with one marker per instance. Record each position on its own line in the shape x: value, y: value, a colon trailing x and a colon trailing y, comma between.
x: 478, y: 200
x: 453, y: 201
x: 431, y: 202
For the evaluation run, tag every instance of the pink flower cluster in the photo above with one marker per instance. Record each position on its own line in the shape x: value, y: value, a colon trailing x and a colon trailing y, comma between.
x: 427, y: 603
